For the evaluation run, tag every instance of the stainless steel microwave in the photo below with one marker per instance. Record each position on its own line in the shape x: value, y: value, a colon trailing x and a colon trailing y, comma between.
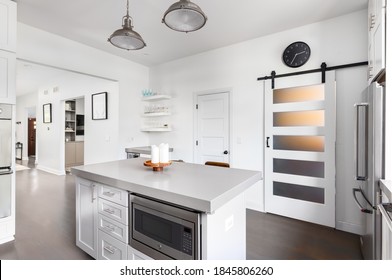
x: 164, y: 231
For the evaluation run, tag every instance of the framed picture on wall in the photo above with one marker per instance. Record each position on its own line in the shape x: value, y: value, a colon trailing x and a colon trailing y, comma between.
x: 99, y: 106
x: 47, y: 112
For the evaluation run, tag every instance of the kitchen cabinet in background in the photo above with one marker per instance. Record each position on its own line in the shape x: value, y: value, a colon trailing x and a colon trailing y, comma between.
x: 70, y: 120
x: 74, y: 153
x: 8, y: 25
x: 376, y: 40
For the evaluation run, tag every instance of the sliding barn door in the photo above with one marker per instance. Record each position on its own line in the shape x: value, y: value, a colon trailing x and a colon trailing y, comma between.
x: 300, y: 125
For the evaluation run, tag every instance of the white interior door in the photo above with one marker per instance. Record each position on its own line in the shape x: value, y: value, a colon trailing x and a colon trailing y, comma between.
x: 300, y: 131
x: 212, y: 128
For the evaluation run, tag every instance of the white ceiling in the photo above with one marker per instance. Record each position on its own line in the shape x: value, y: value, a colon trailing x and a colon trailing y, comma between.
x: 91, y: 22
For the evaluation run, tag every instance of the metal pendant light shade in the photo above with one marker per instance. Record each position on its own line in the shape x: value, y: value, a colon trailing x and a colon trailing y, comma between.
x: 184, y: 16
x: 126, y: 38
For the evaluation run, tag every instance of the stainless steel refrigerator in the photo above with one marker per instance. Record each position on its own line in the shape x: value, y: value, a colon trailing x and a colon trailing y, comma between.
x: 369, y: 166
x: 5, y: 159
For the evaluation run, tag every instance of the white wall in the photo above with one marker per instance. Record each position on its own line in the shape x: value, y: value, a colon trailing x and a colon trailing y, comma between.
x: 337, y: 41
x: 101, y: 136
x: 24, y: 103
x: 49, y: 49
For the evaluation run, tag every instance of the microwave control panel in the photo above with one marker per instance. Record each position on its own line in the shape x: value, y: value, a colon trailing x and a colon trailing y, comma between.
x: 187, y: 241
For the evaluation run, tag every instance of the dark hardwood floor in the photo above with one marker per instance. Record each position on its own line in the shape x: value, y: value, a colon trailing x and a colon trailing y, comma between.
x: 272, y: 237
x: 45, y: 218
x: 45, y: 227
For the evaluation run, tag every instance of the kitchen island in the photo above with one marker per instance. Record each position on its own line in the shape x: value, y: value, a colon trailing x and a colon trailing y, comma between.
x: 216, y: 193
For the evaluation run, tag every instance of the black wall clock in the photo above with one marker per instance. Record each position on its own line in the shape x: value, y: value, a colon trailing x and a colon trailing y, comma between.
x: 296, y: 54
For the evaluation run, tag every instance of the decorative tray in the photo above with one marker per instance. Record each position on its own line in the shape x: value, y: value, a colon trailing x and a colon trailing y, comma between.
x: 157, y: 166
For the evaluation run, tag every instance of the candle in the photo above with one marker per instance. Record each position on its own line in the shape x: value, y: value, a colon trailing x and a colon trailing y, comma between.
x: 164, y: 153
x: 154, y: 154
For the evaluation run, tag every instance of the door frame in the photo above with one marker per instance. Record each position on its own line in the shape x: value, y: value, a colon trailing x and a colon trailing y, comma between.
x: 195, y: 126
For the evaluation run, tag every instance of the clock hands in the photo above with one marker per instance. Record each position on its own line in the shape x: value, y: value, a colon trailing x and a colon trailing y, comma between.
x: 295, y: 56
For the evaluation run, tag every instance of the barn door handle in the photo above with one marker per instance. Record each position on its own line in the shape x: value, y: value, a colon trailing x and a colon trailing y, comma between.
x: 267, y: 142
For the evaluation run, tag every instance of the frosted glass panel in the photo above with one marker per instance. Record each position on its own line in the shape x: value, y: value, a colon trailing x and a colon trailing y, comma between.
x: 299, y: 143
x: 301, y: 118
x: 300, y: 192
x: 299, y: 167
x: 298, y: 94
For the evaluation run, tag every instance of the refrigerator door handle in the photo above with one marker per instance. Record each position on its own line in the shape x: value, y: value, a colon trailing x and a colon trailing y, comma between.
x: 361, y: 141
x: 363, y: 209
x: 5, y: 171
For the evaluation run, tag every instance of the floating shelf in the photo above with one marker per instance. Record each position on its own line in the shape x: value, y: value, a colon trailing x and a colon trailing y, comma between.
x: 156, y: 129
x: 156, y: 114
x: 156, y: 97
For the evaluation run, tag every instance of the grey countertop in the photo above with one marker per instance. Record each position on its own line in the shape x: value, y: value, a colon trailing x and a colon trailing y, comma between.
x: 199, y: 187
x: 142, y: 150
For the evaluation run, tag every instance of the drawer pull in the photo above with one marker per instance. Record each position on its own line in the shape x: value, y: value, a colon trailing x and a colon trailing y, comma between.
x: 110, y: 228
x: 110, y: 249
x: 108, y: 210
x: 111, y: 194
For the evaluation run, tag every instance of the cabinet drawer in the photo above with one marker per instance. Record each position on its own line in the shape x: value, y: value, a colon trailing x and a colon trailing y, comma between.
x: 113, y: 228
x: 113, y: 194
x: 110, y: 248
x: 117, y: 212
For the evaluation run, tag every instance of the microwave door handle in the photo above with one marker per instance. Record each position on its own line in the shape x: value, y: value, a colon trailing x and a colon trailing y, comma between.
x: 361, y: 141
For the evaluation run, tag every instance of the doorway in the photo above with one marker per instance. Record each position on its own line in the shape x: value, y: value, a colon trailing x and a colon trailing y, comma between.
x: 74, y: 112
x: 300, y: 135
x: 31, y: 136
x: 212, y: 127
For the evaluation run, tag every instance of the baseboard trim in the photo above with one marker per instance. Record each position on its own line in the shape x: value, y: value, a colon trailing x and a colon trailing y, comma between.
x: 349, y: 227
x: 51, y: 170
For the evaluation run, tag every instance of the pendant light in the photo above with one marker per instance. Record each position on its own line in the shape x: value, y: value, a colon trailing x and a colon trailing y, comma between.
x: 184, y: 16
x: 126, y: 38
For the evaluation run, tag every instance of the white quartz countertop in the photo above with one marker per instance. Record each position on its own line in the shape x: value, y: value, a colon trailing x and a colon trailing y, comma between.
x: 200, y: 187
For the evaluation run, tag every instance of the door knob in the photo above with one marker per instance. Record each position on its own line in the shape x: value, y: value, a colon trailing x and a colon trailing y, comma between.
x: 226, y: 152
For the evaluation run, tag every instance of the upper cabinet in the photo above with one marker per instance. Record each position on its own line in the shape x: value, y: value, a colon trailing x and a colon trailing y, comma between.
x: 7, y: 77
x: 8, y: 25
x: 376, y: 39
x: 7, y: 51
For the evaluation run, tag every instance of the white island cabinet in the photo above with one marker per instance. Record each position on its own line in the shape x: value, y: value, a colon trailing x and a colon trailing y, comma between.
x: 216, y: 194
x: 86, y: 216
